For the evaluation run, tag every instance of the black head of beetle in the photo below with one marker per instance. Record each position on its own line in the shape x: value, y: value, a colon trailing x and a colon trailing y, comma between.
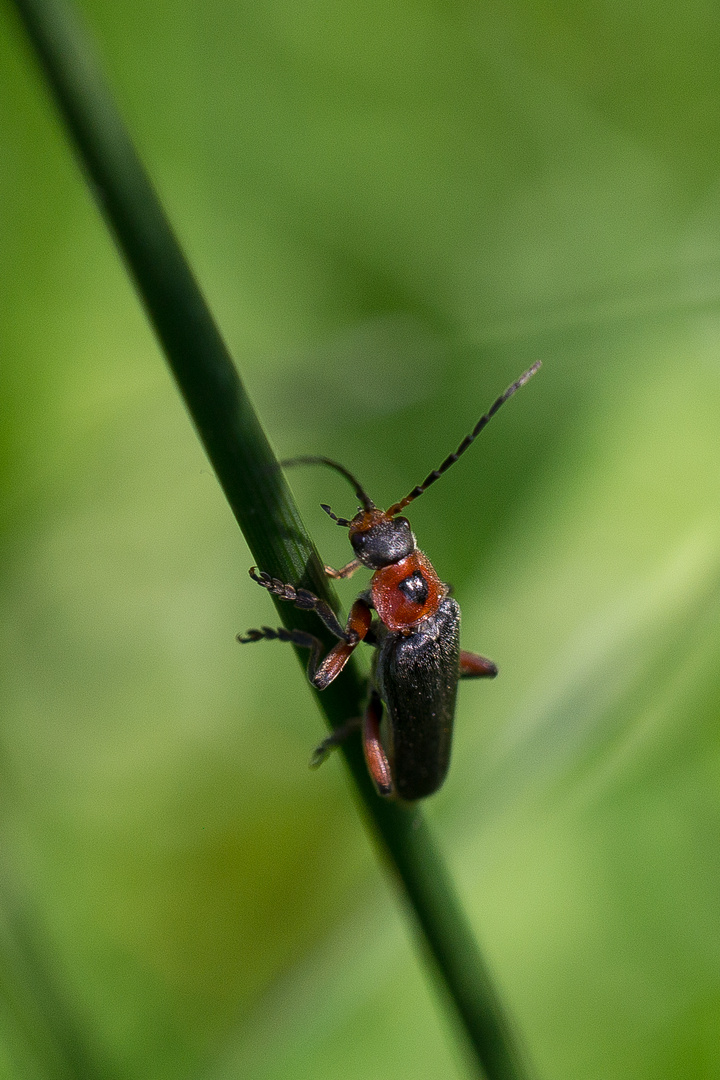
x: 379, y: 540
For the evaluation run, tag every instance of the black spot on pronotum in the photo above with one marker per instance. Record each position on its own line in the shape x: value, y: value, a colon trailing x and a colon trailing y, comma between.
x: 415, y: 587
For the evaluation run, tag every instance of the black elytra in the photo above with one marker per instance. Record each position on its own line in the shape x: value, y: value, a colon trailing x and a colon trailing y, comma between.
x: 417, y: 679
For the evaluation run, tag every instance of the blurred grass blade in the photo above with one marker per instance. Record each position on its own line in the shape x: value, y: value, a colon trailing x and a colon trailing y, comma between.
x: 43, y: 1034
x: 255, y: 488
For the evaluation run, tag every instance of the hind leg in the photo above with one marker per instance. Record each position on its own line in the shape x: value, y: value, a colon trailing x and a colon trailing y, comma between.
x: 375, y: 757
x: 339, y: 735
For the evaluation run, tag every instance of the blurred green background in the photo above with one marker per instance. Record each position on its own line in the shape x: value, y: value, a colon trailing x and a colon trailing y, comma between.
x: 393, y: 210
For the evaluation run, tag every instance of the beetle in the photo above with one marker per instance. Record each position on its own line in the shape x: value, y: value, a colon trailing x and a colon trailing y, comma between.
x: 416, y: 634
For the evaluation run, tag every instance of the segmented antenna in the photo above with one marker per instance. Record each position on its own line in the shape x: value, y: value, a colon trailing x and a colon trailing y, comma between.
x: 365, y: 500
x: 452, y: 458
x: 345, y: 522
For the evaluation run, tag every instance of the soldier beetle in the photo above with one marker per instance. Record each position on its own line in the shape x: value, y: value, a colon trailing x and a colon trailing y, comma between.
x: 416, y: 634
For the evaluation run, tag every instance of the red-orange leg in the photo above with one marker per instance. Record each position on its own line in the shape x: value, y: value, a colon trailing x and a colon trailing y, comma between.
x: 357, y: 628
x: 345, y: 571
x: 375, y: 756
x: 473, y: 666
x: 321, y: 674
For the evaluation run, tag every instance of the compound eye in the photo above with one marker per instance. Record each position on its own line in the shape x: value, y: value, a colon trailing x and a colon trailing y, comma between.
x: 364, y: 547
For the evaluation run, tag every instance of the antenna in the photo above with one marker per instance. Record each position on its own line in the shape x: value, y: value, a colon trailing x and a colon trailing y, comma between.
x: 365, y: 500
x: 341, y: 521
x: 452, y: 458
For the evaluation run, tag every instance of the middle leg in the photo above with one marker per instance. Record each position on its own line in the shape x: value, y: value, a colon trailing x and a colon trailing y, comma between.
x: 473, y: 666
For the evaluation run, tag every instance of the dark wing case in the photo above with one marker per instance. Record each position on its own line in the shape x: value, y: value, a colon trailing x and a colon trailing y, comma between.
x: 417, y: 678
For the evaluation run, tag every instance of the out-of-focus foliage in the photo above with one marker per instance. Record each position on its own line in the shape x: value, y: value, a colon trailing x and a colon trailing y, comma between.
x: 393, y: 210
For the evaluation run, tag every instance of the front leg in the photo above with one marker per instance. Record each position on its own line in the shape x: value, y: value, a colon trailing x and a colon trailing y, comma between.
x: 345, y: 571
x: 358, y: 625
x: 301, y: 598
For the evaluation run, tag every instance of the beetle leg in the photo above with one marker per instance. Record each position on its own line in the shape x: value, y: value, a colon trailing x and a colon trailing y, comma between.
x: 346, y: 571
x: 473, y: 666
x: 339, y: 735
x: 301, y: 598
x: 297, y: 637
x: 320, y: 674
x: 357, y: 628
x: 375, y: 756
